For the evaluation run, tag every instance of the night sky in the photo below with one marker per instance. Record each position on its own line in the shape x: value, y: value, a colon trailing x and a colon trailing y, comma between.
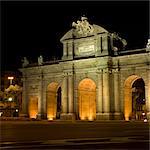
x: 34, y: 28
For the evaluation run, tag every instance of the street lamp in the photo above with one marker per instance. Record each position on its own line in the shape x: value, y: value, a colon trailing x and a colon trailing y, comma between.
x: 10, y: 99
x: 10, y: 78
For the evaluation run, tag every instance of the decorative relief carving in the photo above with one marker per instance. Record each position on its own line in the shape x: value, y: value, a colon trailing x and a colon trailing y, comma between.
x: 86, y: 48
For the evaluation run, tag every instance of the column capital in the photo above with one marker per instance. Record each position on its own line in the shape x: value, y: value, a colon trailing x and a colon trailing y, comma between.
x: 65, y: 74
x: 23, y: 79
x: 107, y: 70
x: 70, y: 41
x: 70, y: 73
x: 99, y: 71
x: 115, y: 70
x: 148, y: 69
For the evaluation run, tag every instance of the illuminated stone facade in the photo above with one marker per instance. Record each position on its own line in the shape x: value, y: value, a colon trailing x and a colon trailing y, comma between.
x: 94, y: 75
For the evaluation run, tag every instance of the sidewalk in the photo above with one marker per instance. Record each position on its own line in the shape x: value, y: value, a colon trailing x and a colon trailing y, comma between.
x: 65, y: 121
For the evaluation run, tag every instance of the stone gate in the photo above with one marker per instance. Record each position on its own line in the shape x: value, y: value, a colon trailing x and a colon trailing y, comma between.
x: 96, y: 77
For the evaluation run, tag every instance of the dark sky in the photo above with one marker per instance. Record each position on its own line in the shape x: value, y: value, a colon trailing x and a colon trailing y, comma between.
x: 33, y: 28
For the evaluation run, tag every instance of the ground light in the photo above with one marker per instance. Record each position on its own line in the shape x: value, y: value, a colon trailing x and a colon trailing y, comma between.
x: 1, y: 114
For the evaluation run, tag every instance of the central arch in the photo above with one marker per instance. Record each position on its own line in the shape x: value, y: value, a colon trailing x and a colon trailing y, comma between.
x: 53, y: 101
x: 87, y: 99
x: 131, y: 97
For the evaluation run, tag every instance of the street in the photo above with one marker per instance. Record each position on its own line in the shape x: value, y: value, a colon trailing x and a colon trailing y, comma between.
x: 74, y: 135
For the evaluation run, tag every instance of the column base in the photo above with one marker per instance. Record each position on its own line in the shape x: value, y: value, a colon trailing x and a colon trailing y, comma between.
x: 148, y: 49
x: 67, y: 116
x: 98, y: 53
x: 23, y: 115
x: 106, y: 116
x: 64, y: 57
x: 67, y: 57
x: 41, y: 116
x: 109, y: 116
x: 99, y: 116
x: 116, y: 116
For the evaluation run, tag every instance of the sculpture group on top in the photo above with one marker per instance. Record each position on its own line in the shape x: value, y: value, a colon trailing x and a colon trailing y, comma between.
x: 83, y: 27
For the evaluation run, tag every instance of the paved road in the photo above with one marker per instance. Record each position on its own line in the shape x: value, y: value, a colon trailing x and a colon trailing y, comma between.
x: 77, y: 135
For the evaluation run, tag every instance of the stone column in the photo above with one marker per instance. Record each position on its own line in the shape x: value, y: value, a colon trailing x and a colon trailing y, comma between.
x: 24, y: 108
x: 64, y: 96
x: 116, y: 94
x: 99, y: 103
x: 147, y: 91
x: 40, y: 98
x: 106, y: 94
x: 70, y: 92
x: 44, y: 93
x: 71, y: 95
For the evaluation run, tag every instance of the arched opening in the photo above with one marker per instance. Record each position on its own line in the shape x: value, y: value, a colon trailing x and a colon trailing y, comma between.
x: 134, y: 98
x: 53, y: 99
x: 33, y: 106
x: 87, y: 99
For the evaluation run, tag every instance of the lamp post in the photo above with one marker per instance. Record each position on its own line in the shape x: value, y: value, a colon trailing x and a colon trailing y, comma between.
x: 10, y: 99
x: 11, y: 79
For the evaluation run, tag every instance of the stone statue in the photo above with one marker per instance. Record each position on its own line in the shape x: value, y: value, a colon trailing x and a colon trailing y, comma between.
x: 83, y: 27
x: 148, y: 44
x: 40, y: 60
x: 25, y: 62
x: 115, y: 36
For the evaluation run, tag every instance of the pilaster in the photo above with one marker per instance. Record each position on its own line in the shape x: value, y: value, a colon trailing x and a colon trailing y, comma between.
x: 64, y: 96
x: 70, y: 49
x: 106, y: 94
x: 117, y: 114
x: 41, y: 105
x: 65, y: 49
x: 70, y: 92
x: 24, y: 111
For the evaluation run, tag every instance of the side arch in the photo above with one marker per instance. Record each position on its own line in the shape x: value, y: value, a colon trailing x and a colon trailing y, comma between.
x: 33, y: 106
x: 51, y: 100
x: 128, y: 95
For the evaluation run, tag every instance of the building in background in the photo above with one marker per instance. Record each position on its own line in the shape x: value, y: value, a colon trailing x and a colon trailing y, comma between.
x: 10, y: 94
x: 96, y: 79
